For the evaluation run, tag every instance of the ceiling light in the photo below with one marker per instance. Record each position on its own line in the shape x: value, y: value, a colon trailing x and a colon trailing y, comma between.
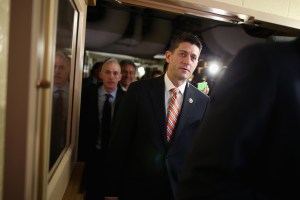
x: 159, y: 56
x: 141, y: 71
x: 213, y: 68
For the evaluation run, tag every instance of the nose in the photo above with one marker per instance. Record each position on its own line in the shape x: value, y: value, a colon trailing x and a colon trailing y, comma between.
x: 111, y: 75
x: 186, y: 60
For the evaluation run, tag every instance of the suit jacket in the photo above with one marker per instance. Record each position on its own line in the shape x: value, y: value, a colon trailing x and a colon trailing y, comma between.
x: 89, y: 119
x: 141, y: 164
x: 249, y: 142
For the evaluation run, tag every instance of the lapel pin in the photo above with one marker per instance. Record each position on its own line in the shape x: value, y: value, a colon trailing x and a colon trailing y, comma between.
x: 190, y: 100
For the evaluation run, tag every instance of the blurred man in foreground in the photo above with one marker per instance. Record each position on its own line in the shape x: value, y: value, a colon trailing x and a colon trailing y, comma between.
x: 248, y: 146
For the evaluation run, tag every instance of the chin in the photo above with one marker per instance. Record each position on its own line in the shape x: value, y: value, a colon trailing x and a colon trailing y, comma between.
x: 184, y: 77
x: 112, y: 87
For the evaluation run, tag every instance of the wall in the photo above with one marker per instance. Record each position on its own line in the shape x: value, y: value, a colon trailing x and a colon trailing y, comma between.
x: 286, y: 8
x: 4, y: 21
x: 282, y: 12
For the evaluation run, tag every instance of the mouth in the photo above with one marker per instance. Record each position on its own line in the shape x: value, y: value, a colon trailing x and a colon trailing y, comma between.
x: 184, y: 69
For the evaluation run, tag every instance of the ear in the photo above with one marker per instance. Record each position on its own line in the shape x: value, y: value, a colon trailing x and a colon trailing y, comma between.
x: 120, y: 76
x: 168, y: 55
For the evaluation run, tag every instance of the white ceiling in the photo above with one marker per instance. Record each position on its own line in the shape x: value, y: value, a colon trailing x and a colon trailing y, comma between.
x: 143, y: 32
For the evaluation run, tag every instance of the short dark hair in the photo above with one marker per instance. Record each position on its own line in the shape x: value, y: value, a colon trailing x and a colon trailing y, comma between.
x: 184, y: 37
x: 96, y: 68
x: 127, y: 62
x: 156, y: 72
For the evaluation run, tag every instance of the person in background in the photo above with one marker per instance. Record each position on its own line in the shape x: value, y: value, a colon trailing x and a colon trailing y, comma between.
x: 93, y: 77
x: 199, y: 78
x: 147, y: 74
x: 156, y: 73
x: 202, y: 85
x: 128, y: 70
x: 98, y: 108
x: 59, y: 105
x: 155, y: 127
x: 248, y: 146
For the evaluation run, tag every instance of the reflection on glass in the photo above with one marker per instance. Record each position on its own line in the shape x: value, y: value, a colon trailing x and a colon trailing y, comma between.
x: 59, y: 105
x: 61, y: 81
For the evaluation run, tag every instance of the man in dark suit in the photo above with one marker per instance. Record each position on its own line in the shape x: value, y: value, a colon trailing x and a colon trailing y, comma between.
x: 94, y: 77
x: 143, y: 160
x: 248, y: 146
x: 128, y: 70
x: 93, y: 136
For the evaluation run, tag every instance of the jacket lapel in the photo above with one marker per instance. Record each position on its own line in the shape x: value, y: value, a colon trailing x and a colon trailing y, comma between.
x: 157, y: 96
x: 119, y: 95
x: 186, y: 108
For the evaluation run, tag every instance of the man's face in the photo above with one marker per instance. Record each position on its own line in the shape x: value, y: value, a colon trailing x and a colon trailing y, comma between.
x: 61, y: 71
x: 128, y: 75
x: 182, y: 62
x: 111, y: 75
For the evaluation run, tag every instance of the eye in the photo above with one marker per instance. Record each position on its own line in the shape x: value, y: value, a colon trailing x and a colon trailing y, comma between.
x: 182, y: 54
x: 194, y: 58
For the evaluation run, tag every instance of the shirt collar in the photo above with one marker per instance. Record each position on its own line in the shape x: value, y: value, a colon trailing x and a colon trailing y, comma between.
x: 65, y: 88
x: 123, y: 88
x: 169, y: 85
x: 103, y: 92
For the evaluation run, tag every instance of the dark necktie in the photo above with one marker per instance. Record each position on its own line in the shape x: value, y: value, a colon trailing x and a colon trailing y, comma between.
x: 58, y: 126
x: 106, y: 122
